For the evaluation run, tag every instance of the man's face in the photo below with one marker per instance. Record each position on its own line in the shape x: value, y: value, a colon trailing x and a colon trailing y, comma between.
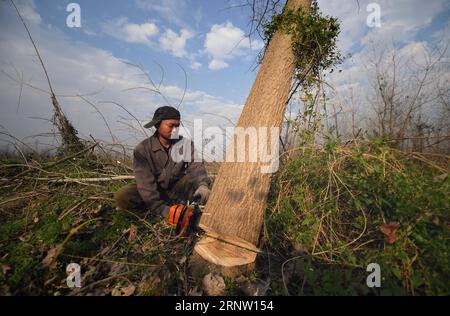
x: 168, y: 129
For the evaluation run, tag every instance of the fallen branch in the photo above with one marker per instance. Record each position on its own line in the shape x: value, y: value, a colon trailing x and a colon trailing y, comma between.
x: 65, y: 213
x: 115, y: 261
x: 57, y: 162
x: 23, y: 196
x: 81, y: 180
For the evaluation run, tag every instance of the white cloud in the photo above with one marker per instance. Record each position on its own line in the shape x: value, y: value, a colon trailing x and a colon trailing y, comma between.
x: 442, y: 34
x: 217, y: 64
x: 195, y: 65
x: 146, y: 33
x: 400, y: 19
x: 175, y: 43
x: 204, y: 105
x: 131, y: 32
x: 171, y: 10
x: 225, y: 42
x: 417, y: 52
x: 140, y: 33
x: 27, y: 9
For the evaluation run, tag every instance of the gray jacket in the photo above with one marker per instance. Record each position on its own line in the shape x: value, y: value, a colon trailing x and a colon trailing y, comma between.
x: 155, y: 170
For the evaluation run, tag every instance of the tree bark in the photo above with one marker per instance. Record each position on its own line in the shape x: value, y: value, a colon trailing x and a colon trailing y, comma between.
x: 236, y: 207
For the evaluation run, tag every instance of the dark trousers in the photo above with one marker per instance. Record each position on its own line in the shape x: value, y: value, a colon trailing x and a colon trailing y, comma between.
x: 128, y: 197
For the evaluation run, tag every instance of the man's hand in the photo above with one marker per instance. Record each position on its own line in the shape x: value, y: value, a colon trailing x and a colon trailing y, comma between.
x: 203, y: 193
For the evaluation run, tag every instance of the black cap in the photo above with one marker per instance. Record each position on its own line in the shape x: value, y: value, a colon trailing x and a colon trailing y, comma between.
x: 163, y: 113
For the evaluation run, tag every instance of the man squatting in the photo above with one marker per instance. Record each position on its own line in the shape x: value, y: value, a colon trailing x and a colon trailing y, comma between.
x: 162, y: 185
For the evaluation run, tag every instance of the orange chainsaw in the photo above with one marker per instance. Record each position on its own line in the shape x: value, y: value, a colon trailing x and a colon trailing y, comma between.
x: 184, y: 217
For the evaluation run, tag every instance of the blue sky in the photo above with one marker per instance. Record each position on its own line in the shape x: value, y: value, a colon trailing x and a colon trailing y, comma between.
x: 102, y: 22
x: 205, y: 38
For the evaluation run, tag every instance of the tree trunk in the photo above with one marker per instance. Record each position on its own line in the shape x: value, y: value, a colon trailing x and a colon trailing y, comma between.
x: 234, y: 215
